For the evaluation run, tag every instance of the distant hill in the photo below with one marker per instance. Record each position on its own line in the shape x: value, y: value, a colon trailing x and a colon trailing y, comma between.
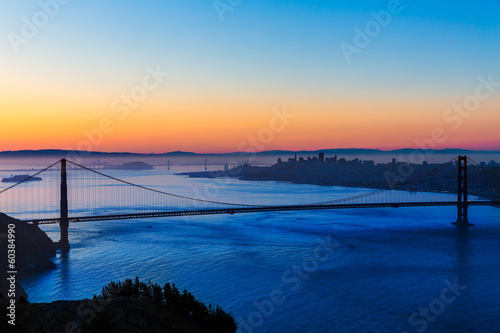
x: 349, y: 151
x: 63, y: 153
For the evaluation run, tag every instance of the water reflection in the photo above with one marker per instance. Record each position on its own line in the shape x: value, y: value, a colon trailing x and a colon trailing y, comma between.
x: 463, y: 253
x: 63, y: 263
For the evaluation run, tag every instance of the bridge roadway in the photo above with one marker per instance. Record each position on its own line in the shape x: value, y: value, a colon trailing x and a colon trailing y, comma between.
x: 257, y: 209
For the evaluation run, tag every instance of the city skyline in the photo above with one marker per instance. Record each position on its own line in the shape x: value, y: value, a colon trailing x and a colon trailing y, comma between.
x: 207, y: 77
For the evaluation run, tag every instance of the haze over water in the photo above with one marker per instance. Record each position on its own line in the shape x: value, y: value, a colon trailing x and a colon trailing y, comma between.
x: 385, y: 264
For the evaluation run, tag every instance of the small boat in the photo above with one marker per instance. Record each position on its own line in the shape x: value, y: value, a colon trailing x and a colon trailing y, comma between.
x: 20, y: 178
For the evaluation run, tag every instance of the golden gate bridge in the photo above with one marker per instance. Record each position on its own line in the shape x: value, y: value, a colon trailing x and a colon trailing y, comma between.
x: 72, y: 193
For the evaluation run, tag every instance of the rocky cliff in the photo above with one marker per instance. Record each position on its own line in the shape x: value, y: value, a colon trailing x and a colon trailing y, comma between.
x: 32, y: 246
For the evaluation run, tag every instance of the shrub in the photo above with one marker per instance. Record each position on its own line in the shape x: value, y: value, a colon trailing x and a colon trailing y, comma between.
x: 184, y: 304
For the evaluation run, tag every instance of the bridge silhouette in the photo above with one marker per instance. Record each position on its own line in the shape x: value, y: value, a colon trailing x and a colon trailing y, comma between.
x: 96, y: 196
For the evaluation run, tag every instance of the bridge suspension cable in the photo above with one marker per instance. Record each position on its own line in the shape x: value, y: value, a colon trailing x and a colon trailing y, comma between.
x: 483, y: 170
x: 158, y: 191
x: 30, y: 177
x: 389, y: 188
x: 29, y: 199
x: 94, y: 195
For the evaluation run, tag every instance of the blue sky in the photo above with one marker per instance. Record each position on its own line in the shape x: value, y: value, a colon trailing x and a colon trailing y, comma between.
x: 449, y: 42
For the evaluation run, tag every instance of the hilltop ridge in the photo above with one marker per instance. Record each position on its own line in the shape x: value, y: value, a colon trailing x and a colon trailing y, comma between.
x: 62, y: 152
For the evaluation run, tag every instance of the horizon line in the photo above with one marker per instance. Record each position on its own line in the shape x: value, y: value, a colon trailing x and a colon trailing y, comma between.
x: 243, y: 152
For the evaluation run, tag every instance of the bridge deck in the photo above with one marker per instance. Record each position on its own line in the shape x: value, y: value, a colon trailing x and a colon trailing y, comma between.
x: 258, y: 209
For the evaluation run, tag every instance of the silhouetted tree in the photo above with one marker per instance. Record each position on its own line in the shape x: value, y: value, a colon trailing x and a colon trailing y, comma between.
x: 184, y: 304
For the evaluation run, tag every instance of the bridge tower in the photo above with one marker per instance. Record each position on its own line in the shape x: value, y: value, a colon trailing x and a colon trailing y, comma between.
x: 462, y: 202
x: 64, y: 222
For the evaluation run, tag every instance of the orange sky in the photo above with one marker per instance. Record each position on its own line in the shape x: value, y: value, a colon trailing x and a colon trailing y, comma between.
x: 163, y: 124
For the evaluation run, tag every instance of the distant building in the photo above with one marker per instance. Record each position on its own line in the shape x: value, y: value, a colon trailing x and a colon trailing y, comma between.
x: 369, y: 163
x: 279, y: 160
x: 321, y: 157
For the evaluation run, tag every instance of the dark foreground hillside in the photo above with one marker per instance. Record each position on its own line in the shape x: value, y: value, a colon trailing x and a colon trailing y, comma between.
x: 131, y: 306
x: 120, y: 315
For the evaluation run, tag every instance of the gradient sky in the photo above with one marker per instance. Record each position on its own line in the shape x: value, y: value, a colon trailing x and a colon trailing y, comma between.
x: 227, y: 77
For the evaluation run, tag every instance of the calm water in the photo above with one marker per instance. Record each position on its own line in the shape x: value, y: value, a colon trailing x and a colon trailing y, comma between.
x: 379, y: 266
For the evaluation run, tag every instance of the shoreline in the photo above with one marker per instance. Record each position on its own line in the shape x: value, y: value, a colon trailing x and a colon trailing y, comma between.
x: 225, y: 174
